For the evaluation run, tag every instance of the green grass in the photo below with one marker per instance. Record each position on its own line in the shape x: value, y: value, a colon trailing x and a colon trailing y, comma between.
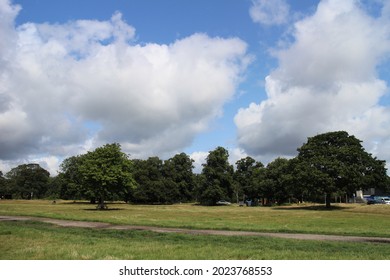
x: 33, y: 240
x: 39, y: 241
x: 346, y: 219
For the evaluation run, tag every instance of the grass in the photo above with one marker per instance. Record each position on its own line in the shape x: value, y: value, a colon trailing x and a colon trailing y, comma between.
x: 345, y: 219
x: 39, y: 241
x: 33, y: 240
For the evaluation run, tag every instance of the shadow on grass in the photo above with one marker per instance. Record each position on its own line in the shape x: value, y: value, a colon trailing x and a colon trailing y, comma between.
x: 77, y: 202
x: 312, y: 208
x: 89, y: 203
x: 103, y: 210
x: 94, y: 205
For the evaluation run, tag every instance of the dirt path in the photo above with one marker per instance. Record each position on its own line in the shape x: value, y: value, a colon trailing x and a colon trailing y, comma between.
x: 98, y: 225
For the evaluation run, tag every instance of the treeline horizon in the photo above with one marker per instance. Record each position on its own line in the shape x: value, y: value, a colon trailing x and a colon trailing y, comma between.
x: 332, y: 164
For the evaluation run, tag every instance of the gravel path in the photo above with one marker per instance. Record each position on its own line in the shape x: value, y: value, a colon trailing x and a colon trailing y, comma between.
x: 99, y: 225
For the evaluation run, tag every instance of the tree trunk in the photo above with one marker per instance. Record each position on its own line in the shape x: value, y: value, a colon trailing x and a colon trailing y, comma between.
x: 101, y: 205
x: 327, y: 200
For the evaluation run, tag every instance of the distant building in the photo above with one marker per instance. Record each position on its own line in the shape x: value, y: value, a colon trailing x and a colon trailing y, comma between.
x: 371, y: 191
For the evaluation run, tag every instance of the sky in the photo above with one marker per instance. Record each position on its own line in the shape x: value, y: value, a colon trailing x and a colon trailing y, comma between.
x: 257, y: 77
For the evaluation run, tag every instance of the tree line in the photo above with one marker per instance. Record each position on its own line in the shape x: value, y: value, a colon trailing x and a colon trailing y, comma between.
x: 327, y: 165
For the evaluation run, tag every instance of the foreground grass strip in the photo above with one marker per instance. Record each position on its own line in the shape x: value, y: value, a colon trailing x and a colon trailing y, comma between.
x: 82, y: 224
x: 26, y: 240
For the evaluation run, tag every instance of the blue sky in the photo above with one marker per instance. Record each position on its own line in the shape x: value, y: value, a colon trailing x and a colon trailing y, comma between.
x: 161, y: 77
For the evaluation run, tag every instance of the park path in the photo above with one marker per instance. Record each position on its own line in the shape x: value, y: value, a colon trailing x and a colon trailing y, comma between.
x: 99, y: 225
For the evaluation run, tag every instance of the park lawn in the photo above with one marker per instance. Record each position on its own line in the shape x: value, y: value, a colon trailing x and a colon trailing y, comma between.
x: 343, y: 219
x: 26, y: 240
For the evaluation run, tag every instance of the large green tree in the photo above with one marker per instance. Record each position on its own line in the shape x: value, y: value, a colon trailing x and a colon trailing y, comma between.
x: 70, y: 179
x: 178, y: 172
x: 217, y: 180
x: 337, y: 162
x: 244, y: 175
x: 28, y: 180
x: 152, y: 187
x: 106, y: 172
x: 276, y: 180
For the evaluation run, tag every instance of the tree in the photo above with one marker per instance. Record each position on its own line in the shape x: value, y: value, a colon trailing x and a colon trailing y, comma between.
x: 164, y: 182
x: 218, y: 178
x: 276, y: 181
x: 54, y: 187
x: 178, y: 171
x: 70, y: 179
x: 335, y: 161
x: 4, y: 191
x: 246, y: 168
x: 151, y: 185
x: 29, y: 180
x: 106, y: 172
x: 2, y: 181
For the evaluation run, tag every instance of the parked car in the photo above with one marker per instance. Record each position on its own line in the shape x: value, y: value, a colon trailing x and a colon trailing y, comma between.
x: 223, y: 202
x: 370, y: 200
x: 374, y: 200
x: 386, y: 200
x: 378, y: 199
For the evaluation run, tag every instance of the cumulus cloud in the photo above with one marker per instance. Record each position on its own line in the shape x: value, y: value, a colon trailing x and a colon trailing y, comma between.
x: 68, y: 87
x: 270, y: 12
x: 200, y: 157
x: 327, y: 80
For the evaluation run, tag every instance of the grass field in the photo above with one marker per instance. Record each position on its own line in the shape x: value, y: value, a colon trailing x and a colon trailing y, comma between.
x: 32, y: 240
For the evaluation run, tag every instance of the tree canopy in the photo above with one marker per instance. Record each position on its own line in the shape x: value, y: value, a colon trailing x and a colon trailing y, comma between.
x: 247, y: 174
x: 70, y: 178
x: 218, y: 178
x: 152, y: 187
x: 105, y: 172
x: 28, y: 180
x: 336, y: 161
x: 276, y: 181
x: 179, y: 171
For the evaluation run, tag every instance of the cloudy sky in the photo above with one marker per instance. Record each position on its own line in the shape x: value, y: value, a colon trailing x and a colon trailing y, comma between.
x: 161, y: 77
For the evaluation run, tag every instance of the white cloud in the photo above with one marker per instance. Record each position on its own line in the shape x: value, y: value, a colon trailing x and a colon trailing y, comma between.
x: 8, y: 38
x: 270, y: 12
x: 236, y: 154
x: 199, y: 159
x: 326, y: 80
x: 50, y: 163
x: 86, y: 83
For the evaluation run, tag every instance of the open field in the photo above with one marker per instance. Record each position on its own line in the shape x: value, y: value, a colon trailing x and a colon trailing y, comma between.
x: 346, y: 219
x: 33, y: 240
